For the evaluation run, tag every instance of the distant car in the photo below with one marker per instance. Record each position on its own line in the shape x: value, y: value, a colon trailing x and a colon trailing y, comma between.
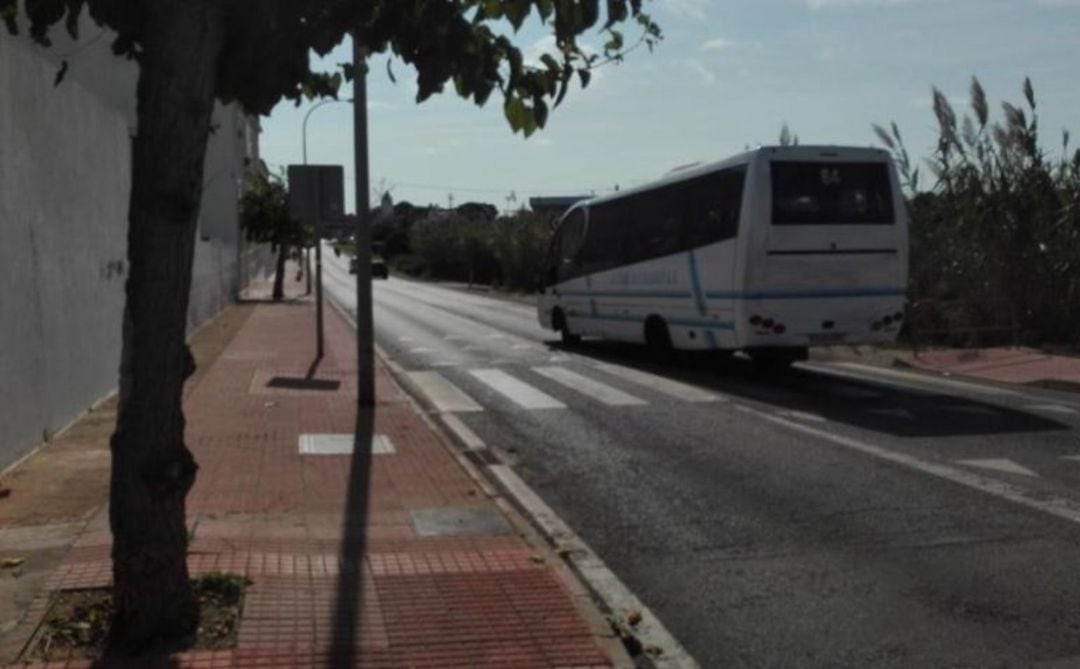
x: 378, y: 268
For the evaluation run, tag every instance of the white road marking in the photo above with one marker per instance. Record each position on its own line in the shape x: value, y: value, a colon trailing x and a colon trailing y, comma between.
x: 467, y: 436
x: 516, y: 391
x: 473, y: 347
x: 454, y: 337
x: 802, y: 415
x: 443, y: 394
x: 496, y: 335
x: 421, y: 350
x: 588, y: 387
x: 930, y: 379
x: 619, y: 599
x: 1059, y: 507
x: 1051, y: 408
x: 521, y: 347
x: 1074, y: 458
x: 406, y: 339
x: 999, y: 465
x: 660, y: 384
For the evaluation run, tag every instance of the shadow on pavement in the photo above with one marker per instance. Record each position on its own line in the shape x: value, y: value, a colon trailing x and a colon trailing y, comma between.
x: 869, y: 405
x: 348, y: 607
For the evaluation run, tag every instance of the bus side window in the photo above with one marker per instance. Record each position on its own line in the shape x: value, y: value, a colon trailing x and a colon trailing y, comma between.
x: 572, y: 234
x: 711, y: 208
x: 551, y: 261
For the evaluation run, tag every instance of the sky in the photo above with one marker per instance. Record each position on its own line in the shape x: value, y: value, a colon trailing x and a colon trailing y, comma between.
x: 727, y: 76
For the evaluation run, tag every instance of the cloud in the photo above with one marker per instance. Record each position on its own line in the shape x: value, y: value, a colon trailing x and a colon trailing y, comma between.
x: 694, y: 9
x: 717, y: 44
x: 703, y: 73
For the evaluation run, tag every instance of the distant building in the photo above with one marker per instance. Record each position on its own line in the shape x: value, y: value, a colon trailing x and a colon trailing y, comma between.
x: 555, y: 207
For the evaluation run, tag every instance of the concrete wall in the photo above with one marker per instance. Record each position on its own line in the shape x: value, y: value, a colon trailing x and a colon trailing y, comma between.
x: 65, y: 172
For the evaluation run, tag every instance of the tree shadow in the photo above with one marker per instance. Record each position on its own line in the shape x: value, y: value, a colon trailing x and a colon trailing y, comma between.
x: 298, y: 301
x: 348, y: 606
x: 896, y: 408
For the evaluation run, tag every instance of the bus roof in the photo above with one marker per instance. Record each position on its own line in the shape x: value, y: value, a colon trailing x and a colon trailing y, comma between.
x: 685, y: 173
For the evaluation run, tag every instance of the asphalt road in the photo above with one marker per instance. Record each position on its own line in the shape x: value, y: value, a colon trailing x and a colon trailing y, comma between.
x: 833, y: 515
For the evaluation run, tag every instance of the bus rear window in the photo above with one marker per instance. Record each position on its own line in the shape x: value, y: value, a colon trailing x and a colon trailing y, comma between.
x: 831, y: 194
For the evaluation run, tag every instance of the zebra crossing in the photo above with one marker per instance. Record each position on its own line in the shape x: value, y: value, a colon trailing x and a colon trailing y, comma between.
x: 518, y: 387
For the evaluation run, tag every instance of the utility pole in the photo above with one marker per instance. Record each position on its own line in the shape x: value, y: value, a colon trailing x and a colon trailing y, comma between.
x: 365, y: 326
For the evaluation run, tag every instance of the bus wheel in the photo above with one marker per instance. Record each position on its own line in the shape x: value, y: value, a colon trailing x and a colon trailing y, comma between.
x: 559, y: 321
x: 658, y: 339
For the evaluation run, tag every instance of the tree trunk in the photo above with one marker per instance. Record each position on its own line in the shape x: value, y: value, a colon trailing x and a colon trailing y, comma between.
x: 152, y: 469
x: 279, y: 275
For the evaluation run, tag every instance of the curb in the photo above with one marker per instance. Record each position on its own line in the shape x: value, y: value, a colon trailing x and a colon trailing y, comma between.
x: 618, y: 612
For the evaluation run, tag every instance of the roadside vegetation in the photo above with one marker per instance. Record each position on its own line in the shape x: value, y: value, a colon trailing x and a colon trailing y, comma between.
x: 264, y: 218
x: 469, y: 244
x: 995, y: 238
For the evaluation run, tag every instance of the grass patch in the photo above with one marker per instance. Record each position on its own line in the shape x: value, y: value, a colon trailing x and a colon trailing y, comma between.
x: 76, y: 625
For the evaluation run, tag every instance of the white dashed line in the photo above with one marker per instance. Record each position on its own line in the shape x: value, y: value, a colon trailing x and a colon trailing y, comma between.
x: 516, y: 391
x: 999, y: 465
x: 802, y: 415
x: 660, y: 384
x: 1051, y: 408
x: 588, y: 387
x: 443, y: 394
x: 1059, y: 507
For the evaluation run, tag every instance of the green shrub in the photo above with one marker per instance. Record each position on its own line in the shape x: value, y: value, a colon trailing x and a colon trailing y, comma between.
x: 995, y: 242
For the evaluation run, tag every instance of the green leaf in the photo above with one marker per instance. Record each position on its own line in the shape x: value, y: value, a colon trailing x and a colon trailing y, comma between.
x: 545, y: 7
x: 549, y: 60
x: 516, y: 113
x: 517, y: 11
x: 540, y: 112
x: 586, y: 76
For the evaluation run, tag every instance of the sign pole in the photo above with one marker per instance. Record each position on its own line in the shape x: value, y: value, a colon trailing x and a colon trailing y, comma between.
x: 365, y: 328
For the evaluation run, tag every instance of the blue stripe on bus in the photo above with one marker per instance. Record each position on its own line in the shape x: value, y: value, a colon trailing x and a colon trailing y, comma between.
x: 873, y: 291
x: 699, y: 296
x: 694, y: 322
x: 625, y: 293
x: 588, y: 287
x: 754, y: 295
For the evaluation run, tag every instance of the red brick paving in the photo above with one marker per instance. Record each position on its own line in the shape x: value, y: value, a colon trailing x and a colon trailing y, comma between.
x: 1005, y: 365
x: 261, y: 509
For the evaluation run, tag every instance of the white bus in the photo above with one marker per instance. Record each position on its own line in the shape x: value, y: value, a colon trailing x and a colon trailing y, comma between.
x: 768, y: 252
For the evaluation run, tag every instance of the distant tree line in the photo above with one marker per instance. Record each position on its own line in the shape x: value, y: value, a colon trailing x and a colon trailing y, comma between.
x: 470, y: 243
x: 995, y: 255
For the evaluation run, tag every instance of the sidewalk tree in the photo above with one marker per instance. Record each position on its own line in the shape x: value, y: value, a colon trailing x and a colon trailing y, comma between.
x: 264, y: 218
x: 256, y: 52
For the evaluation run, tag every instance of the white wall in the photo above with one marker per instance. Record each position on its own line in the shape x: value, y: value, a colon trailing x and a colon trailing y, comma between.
x: 65, y: 173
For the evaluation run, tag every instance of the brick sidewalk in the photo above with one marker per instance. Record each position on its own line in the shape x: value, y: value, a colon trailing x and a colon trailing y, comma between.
x: 1005, y: 365
x: 396, y: 559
